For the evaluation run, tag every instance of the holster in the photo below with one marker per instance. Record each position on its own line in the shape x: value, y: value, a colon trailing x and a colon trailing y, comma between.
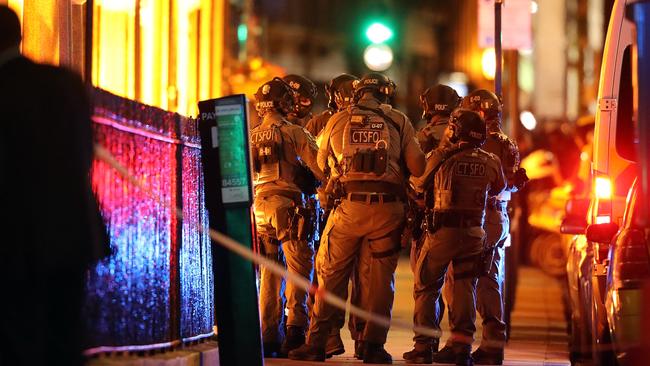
x: 303, y: 223
x: 413, y: 228
x: 430, y: 224
x: 487, y: 258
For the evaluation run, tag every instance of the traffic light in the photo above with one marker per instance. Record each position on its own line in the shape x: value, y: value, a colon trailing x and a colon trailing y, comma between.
x: 378, y: 56
x: 377, y: 33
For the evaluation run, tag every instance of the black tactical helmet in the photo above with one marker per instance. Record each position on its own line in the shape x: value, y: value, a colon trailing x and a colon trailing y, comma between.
x: 483, y: 100
x: 274, y: 95
x: 305, y: 93
x: 376, y: 82
x: 438, y: 99
x: 467, y: 126
x: 340, y: 91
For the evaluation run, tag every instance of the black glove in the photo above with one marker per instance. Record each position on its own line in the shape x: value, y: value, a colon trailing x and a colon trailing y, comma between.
x: 520, y: 178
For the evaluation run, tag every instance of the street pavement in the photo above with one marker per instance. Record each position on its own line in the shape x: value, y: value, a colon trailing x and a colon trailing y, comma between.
x: 538, y: 334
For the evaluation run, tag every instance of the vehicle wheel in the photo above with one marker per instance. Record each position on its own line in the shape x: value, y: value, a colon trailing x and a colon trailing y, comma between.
x: 547, y: 252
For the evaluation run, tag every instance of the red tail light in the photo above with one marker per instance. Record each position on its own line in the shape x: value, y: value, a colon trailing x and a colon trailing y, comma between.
x: 603, y: 199
x: 631, y: 260
x: 603, y: 187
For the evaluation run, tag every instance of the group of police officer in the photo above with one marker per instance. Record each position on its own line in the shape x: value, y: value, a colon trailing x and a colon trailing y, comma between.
x: 377, y: 191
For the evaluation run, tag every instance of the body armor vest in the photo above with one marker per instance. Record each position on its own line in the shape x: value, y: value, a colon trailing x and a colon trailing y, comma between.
x: 366, y: 144
x: 462, y: 182
x: 269, y: 162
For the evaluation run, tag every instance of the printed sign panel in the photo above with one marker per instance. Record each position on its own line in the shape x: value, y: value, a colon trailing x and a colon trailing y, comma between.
x: 516, y: 18
x: 231, y: 126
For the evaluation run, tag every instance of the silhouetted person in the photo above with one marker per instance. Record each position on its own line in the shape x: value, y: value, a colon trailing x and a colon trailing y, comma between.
x: 50, y: 226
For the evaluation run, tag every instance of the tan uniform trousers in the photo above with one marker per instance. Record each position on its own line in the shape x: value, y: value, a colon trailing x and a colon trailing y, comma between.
x: 439, y: 306
x: 358, y: 292
x: 273, y: 219
x: 462, y: 247
x: 490, y: 290
x: 352, y: 222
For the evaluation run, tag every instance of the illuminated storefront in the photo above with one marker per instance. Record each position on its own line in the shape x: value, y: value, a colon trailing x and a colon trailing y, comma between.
x: 167, y: 54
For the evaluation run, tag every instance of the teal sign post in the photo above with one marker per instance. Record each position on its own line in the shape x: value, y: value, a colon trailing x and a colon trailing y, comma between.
x: 228, y: 195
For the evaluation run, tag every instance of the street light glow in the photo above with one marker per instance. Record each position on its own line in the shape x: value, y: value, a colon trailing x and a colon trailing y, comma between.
x: 378, y: 57
x: 528, y: 120
x: 489, y: 63
x: 378, y: 33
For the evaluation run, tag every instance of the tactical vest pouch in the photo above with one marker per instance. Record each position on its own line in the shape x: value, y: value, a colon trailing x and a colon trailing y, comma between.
x: 380, y: 158
x: 365, y: 146
x: 370, y: 161
x: 362, y: 161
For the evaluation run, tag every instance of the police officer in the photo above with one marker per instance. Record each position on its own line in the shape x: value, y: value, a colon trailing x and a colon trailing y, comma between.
x: 340, y: 92
x: 279, y: 151
x: 305, y: 93
x: 376, y: 148
x: 458, y: 179
x: 437, y: 103
x: 490, y: 288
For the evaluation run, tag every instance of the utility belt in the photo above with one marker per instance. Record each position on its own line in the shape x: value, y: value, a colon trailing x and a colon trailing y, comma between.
x: 292, y: 195
x: 372, y: 198
x: 376, y: 187
x: 454, y: 219
x: 497, y: 205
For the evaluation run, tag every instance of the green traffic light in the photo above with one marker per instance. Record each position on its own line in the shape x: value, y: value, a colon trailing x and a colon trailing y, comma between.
x: 242, y: 33
x: 378, y: 33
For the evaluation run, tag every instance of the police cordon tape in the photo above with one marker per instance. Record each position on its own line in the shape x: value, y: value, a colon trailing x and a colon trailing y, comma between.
x: 104, y: 155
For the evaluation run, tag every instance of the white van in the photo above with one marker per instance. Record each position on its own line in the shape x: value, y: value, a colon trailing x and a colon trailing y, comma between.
x: 613, y: 172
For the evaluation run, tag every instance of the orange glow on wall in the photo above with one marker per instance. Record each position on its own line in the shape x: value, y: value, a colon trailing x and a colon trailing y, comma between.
x: 162, y: 53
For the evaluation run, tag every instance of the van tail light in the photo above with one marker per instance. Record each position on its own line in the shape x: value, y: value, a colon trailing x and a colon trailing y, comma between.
x: 605, y: 219
x: 631, y: 259
x: 603, y: 186
x: 603, y: 199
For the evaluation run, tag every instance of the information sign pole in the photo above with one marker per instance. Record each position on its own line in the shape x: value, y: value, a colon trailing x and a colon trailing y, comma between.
x: 228, y: 195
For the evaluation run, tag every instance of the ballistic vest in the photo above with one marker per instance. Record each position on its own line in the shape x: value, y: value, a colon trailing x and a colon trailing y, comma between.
x: 463, y: 181
x: 269, y: 161
x: 366, y: 149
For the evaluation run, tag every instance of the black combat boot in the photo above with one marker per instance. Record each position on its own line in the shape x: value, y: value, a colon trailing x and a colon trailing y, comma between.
x: 491, y: 357
x: 334, y: 345
x: 445, y: 355
x: 295, y: 338
x: 463, y: 354
x: 307, y: 352
x: 422, y: 352
x: 358, y: 350
x: 375, y: 353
